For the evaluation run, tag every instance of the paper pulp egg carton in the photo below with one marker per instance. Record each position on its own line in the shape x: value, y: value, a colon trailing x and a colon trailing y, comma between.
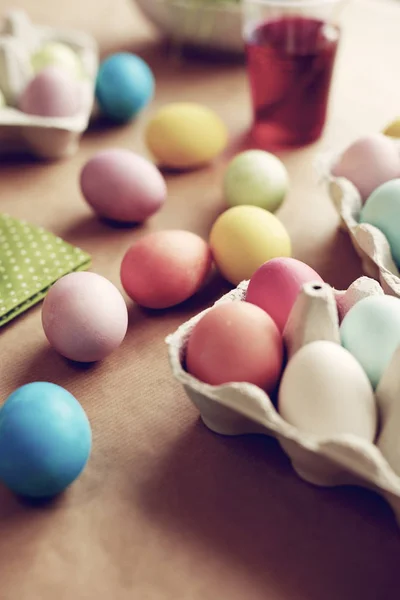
x: 42, y: 136
x: 369, y: 242
x: 242, y: 408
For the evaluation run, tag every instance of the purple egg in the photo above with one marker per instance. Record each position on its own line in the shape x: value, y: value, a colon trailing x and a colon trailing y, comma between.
x: 51, y: 93
x: 123, y: 186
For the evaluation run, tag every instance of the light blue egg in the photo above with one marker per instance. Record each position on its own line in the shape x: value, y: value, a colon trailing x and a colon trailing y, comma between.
x: 371, y: 332
x: 45, y: 440
x: 382, y: 209
x: 124, y: 86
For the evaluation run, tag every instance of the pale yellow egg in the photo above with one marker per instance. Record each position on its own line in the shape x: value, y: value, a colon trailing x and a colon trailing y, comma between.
x: 245, y: 237
x: 185, y: 135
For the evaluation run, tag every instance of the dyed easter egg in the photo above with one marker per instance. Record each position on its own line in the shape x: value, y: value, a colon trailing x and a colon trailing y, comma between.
x: 124, y: 86
x: 393, y: 129
x: 165, y: 268
x: 235, y: 341
x: 369, y: 162
x: 57, y: 54
x: 382, y: 209
x: 245, y: 237
x: 122, y: 186
x: 258, y: 178
x: 52, y: 93
x: 185, y: 135
x: 84, y: 317
x: 371, y: 332
x: 274, y: 287
x: 324, y: 392
x: 45, y: 440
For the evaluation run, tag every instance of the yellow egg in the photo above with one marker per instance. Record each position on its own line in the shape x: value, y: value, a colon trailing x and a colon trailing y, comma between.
x: 393, y: 129
x: 245, y: 237
x: 185, y: 135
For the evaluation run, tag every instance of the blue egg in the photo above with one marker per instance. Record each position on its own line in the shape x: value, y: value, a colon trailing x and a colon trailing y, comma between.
x: 371, y: 332
x: 125, y: 85
x: 45, y: 440
x: 382, y: 209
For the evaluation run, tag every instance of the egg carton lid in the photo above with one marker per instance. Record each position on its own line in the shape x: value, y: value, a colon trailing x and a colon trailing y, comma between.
x: 45, y: 136
x: 243, y: 408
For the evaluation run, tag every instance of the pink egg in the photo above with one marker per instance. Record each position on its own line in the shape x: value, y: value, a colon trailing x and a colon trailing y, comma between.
x: 236, y: 341
x: 51, y: 93
x: 369, y: 162
x: 84, y: 317
x: 165, y: 268
x: 122, y: 186
x: 275, y: 286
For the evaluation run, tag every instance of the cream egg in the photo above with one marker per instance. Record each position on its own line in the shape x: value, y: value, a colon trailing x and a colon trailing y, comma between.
x: 235, y: 341
x: 325, y: 392
x: 84, y: 317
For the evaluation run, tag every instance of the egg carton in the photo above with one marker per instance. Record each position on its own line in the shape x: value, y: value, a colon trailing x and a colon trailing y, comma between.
x: 242, y: 408
x: 369, y: 242
x: 42, y: 136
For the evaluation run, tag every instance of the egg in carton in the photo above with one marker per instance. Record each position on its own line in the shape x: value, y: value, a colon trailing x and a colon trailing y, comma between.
x: 242, y: 408
x: 369, y: 242
x: 46, y: 137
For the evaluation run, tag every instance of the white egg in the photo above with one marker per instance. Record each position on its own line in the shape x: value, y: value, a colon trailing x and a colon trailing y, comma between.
x: 325, y: 392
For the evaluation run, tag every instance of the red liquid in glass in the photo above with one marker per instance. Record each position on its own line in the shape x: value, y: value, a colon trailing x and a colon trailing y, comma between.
x: 290, y: 62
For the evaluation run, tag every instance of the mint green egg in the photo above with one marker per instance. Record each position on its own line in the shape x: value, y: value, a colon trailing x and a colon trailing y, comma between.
x: 382, y: 209
x: 370, y: 331
x: 256, y: 178
x: 56, y: 54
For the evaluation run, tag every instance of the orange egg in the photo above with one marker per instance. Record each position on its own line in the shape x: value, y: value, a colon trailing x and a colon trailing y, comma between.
x: 165, y: 268
x: 236, y: 341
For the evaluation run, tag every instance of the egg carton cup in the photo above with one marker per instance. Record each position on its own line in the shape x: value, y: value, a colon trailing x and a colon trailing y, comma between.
x: 242, y: 408
x: 46, y: 137
x: 369, y: 242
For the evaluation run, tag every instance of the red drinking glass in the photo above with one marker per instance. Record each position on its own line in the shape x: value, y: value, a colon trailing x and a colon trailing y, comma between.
x: 291, y: 48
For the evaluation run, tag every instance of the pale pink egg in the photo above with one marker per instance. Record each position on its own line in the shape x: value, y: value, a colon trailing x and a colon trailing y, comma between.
x: 165, y: 268
x: 369, y: 162
x: 236, y: 341
x: 275, y: 286
x: 84, y: 317
x: 122, y: 186
x: 51, y: 93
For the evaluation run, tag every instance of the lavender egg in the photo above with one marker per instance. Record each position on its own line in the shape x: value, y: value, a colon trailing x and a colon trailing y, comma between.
x: 122, y: 186
x: 84, y: 317
x: 51, y: 93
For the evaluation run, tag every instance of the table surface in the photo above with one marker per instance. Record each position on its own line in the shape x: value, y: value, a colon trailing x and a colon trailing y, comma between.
x: 166, y: 510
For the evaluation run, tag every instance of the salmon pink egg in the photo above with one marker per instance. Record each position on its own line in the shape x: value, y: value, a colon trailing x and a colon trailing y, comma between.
x: 236, y: 341
x: 275, y: 286
x: 165, y: 268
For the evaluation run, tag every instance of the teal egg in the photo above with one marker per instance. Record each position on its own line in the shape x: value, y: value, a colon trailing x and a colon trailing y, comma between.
x: 124, y: 86
x: 382, y: 209
x: 45, y: 440
x: 371, y: 332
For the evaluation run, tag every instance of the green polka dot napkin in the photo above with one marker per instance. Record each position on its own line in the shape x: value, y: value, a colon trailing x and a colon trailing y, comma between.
x: 31, y: 260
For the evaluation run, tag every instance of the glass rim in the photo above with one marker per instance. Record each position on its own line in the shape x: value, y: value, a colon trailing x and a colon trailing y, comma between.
x: 291, y: 3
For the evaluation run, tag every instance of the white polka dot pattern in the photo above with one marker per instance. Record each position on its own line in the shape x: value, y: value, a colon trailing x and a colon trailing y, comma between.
x: 31, y: 260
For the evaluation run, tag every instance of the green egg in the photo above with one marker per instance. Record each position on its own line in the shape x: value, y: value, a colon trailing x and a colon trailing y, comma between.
x: 256, y: 178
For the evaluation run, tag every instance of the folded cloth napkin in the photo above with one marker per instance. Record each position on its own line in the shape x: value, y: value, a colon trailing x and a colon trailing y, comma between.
x: 31, y: 260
